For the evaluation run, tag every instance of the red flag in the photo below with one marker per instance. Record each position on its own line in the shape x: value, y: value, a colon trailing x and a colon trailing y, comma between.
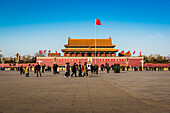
x: 134, y: 52
x: 55, y: 51
x: 39, y: 51
x: 122, y: 51
x: 98, y: 22
x: 128, y: 52
x: 49, y: 51
x: 140, y: 53
x: 45, y: 51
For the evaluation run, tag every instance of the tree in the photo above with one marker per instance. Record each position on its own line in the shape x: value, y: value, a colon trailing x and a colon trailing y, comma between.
x: 151, y: 58
x: 40, y: 54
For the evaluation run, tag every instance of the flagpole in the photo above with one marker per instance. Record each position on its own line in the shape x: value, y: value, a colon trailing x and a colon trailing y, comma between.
x: 95, y: 40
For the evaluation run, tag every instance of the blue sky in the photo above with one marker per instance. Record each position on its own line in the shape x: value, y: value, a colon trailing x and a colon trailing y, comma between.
x: 27, y: 26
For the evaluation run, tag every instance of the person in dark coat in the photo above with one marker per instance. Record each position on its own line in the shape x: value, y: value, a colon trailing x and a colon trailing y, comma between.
x: 74, y: 70
x: 43, y: 68
x: 127, y: 68
x: 115, y: 68
x: 118, y: 68
x: 79, y: 69
x: 102, y: 66
x: 35, y: 69
x: 96, y: 68
x: 21, y: 70
x: 38, y: 67
x: 54, y: 69
x: 108, y: 68
x: 92, y: 69
x: 67, y: 69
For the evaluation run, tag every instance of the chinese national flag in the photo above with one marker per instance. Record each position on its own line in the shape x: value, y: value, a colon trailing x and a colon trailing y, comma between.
x: 49, y: 51
x: 45, y: 51
x: 140, y: 53
x: 122, y: 51
x: 134, y: 52
x: 128, y: 52
x: 39, y: 51
x: 98, y: 22
x: 55, y: 51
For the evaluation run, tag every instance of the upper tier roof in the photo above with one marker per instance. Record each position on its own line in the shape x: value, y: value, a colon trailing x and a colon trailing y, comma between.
x: 89, y: 43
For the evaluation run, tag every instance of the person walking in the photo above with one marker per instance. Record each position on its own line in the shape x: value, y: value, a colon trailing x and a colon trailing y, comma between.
x: 27, y: 72
x: 38, y: 69
x: 74, y: 70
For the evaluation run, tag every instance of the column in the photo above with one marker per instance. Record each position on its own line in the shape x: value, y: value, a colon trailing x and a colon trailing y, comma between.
x: 64, y: 54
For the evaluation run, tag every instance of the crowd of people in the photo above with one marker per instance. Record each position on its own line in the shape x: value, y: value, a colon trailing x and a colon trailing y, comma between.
x: 81, y: 70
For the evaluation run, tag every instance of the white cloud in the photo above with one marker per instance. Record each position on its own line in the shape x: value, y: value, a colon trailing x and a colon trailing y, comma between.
x: 158, y: 35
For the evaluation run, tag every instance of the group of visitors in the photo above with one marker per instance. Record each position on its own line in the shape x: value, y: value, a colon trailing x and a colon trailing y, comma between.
x: 82, y: 69
x: 94, y: 69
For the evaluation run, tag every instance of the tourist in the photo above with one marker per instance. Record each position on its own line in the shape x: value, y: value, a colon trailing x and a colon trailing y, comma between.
x: 118, y: 68
x: 127, y: 68
x: 115, y: 68
x: 35, y: 69
x: 58, y: 69
x: 92, y: 68
x: 30, y: 68
x: 27, y: 72
x: 102, y: 66
x: 74, y: 70
x: 38, y: 67
x: 54, y: 68
x: 80, y: 69
x: 96, y: 68
x: 67, y: 69
x: 21, y: 70
x: 43, y: 68
x: 85, y: 70
x: 107, y: 67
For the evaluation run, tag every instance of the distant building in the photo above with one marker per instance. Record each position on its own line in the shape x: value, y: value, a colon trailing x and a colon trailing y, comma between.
x: 86, y: 48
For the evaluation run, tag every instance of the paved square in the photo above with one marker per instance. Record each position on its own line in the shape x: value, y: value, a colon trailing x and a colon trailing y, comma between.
x: 133, y: 92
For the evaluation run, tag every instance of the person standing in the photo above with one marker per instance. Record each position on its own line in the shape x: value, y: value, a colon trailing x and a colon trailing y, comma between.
x: 115, y: 68
x: 54, y: 69
x: 118, y: 68
x: 79, y: 69
x: 74, y: 70
x: 67, y: 68
x: 85, y: 70
x: 27, y: 72
x: 96, y: 68
x: 43, y: 68
x: 92, y: 68
x: 21, y: 70
x: 38, y: 69
x: 35, y: 69
x: 107, y: 67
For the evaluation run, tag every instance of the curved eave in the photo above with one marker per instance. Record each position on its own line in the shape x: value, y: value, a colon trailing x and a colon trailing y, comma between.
x: 89, y: 50
x: 89, y: 45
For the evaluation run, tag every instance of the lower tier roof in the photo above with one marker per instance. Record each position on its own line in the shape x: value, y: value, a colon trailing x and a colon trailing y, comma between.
x: 90, y: 50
